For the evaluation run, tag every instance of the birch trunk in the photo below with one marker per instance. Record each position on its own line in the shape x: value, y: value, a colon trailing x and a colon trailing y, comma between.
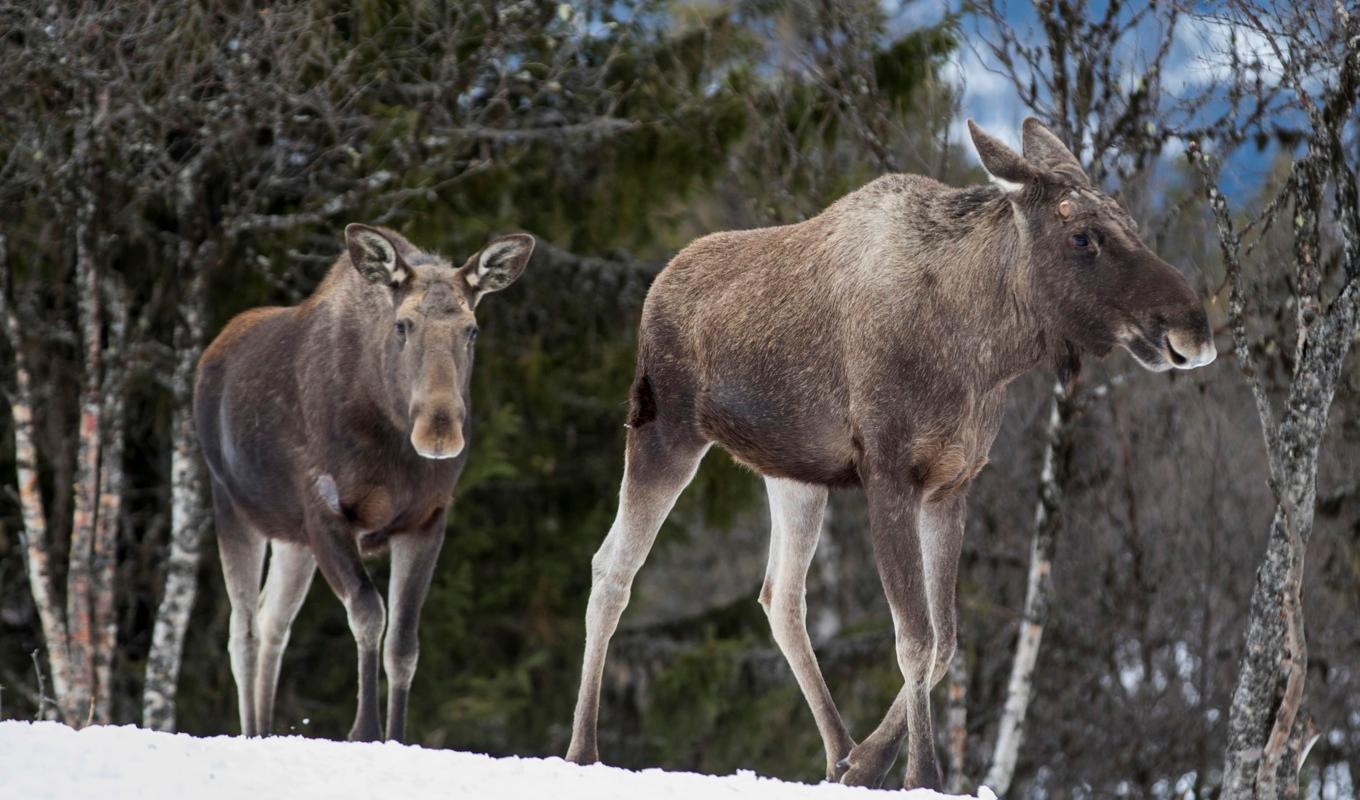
x: 33, y: 533
x: 79, y: 573
x: 110, y: 507
x: 1264, y: 752
x: 186, y: 513
x: 957, y: 722
x: 1267, y: 699
x: 1268, y: 736
x: 1039, y: 591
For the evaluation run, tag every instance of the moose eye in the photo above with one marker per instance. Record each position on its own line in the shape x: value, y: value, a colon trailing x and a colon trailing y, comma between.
x: 1081, y: 240
x: 403, y: 328
x: 472, y: 332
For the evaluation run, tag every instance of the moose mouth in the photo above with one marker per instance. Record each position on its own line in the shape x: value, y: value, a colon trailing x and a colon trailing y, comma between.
x: 1161, y: 353
x: 439, y: 453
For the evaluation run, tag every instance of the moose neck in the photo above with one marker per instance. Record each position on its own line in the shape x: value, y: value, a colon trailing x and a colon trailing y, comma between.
x: 985, y: 300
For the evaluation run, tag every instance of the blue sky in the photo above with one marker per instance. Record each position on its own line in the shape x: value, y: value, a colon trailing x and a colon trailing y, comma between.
x: 1191, y: 68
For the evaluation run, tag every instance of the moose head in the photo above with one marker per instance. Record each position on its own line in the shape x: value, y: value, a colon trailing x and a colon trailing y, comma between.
x: 430, y: 332
x: 1098, y: 285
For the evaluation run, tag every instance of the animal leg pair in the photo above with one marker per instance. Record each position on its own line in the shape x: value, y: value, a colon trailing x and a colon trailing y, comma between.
x: 916, y: 552
x: 920, y: 588
x: 260, y: 624
x: 919, y: 584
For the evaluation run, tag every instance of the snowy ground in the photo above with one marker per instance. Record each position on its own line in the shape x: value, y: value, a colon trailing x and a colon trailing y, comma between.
x: 47, y: 760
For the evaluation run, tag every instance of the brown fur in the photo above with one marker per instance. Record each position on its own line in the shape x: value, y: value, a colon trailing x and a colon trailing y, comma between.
x: 872, y: 345
x: 333, y: 434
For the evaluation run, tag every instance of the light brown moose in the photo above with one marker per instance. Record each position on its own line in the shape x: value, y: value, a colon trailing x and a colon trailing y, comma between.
x: 332, y: 429
x: 872, y: 345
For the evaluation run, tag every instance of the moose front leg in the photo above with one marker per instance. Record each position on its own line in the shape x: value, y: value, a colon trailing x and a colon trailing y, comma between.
x: 337, y: 555
x: 413, y: 559
x: 941, y: 525
x: 894, y: 507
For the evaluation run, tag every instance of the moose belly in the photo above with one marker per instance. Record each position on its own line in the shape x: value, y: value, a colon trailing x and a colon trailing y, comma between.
x: 802, y: 441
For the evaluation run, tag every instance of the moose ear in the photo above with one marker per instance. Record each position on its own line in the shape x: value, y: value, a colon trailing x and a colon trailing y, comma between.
x: 1007, y: 168
x: 498, y: 264
x: 374, y: 255
x: 1044, y: 149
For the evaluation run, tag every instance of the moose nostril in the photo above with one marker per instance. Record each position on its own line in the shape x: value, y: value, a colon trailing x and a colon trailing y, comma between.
x: 1176, y: 358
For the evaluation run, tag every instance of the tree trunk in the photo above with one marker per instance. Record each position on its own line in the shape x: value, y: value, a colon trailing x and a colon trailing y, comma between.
x: 1263, y: 723
x: 34, y: 529
x: 957, y: 722
x: 1039, y: 592
x: 80, y: 572
x: 110, y: 507
x: 1267, y: 737
x: 186, y: 513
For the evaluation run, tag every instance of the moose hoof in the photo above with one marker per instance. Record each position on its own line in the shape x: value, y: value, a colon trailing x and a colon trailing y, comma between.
x: 926, y: 781
x: 837, y: 771
x: 365, y: 733
x: 836, y: 767
x: 869, y: 777
x: 865, y: 766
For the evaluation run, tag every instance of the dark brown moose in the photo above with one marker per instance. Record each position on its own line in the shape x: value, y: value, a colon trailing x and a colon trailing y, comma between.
x: 871, y: 346
x: 332, y: 429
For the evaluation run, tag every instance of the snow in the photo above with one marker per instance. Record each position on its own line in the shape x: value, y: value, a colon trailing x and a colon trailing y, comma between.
x: 47, y: 760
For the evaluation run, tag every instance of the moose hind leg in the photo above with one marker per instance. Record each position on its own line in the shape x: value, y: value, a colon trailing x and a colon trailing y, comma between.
x: 291, y: 568
x: 655, y: 472
x: 413, y: 560
x: 795, y: 525
x: 241, y: 550
x: 894, y: 527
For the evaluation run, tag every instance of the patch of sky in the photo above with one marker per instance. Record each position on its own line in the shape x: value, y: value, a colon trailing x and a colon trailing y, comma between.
x: 1195, y: 68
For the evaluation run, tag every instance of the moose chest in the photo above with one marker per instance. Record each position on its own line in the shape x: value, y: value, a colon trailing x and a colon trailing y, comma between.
x: 949, y: 448
x: 378, y: 503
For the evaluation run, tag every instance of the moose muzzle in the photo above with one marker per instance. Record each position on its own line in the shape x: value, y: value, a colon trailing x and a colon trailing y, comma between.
x: 437, y: 431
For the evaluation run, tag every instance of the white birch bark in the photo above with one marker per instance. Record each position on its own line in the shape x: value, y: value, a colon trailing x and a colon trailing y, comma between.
x: 34, y: 531
x: 186, y: 515
x: 1038, y: 593
x: 110, y: 506
x: 957, y: 722
x: 79, y: 573
x: 1268, y: 736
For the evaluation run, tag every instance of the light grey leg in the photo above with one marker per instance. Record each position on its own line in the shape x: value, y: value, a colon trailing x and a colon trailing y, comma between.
x: 242, y: 554
x: 655, y: 472
x: 413, y: 561
x: 795, y: 526
x: 291, y: 567
x: 942, y: 527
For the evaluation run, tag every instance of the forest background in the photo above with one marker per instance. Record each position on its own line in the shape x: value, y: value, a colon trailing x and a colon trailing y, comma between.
x: 166, y: 166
